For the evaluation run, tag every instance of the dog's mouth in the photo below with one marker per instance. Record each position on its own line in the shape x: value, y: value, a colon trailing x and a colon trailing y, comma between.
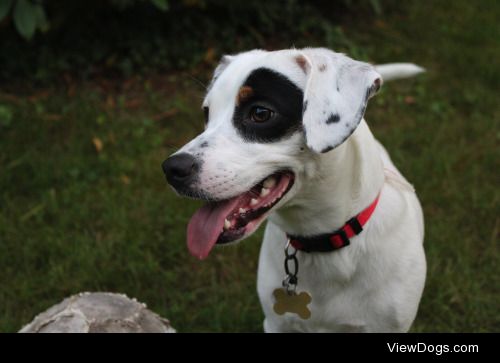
x: 233, y: 219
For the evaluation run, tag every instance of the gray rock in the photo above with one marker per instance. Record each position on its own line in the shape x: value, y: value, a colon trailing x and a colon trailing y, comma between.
x: 98, y: 312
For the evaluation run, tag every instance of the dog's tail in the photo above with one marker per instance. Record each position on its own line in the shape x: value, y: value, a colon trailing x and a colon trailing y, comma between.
x: 393, y: 71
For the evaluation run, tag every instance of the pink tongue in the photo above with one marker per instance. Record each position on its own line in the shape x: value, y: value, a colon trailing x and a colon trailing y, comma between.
x: 206, y: 225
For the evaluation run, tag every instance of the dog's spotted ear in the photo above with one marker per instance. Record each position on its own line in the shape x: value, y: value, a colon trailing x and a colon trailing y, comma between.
x: 335, y: 96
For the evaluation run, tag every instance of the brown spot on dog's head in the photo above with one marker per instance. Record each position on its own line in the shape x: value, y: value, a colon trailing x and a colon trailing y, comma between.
x: 244, y: 93
x: 302, y: 62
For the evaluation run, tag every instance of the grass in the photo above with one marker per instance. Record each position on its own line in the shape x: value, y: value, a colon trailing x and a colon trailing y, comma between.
x: 84, y: 205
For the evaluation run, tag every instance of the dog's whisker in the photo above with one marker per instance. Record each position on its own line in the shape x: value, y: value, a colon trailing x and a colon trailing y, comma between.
x: 205, y: 87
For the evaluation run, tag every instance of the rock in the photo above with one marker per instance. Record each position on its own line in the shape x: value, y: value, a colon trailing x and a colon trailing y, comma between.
x: 98, y: 312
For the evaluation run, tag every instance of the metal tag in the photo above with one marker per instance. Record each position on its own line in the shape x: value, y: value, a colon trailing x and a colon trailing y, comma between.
x: 292, y: 303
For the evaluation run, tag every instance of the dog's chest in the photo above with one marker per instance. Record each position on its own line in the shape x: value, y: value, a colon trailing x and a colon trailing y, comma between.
x: 332, y: 308
x: 329, y: 283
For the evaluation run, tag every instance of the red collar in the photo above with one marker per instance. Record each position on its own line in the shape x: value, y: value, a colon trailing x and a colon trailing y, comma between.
x: 338, y: 239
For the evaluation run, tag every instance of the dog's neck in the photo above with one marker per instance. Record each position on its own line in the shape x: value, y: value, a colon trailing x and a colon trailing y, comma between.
x: 338, y: 185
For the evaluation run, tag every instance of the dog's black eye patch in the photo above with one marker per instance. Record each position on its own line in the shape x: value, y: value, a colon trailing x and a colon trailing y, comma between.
x: 277, y: 100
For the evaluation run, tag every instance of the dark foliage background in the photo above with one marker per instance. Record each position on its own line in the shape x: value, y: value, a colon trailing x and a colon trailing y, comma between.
x: 109, y: 38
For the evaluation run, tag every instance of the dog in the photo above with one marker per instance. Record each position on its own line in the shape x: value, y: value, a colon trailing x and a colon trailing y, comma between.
x: 285, y: 140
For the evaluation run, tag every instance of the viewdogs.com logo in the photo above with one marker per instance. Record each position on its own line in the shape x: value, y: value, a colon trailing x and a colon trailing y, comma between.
x: 437, y: 349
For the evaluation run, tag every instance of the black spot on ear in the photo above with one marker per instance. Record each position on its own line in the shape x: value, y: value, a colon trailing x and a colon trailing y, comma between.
x: 204, y: 144
x: 333, y: 119
x: 304, y: 108
x: 206, y: 114
x: 326, y: 149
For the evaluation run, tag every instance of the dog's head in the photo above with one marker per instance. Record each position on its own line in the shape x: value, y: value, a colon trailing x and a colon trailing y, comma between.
x: 266, y: 115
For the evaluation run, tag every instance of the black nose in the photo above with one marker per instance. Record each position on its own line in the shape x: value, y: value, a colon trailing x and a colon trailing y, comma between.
x: 180, y: 169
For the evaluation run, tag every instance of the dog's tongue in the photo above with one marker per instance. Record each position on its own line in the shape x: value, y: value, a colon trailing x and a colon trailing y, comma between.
x: 206, y: 225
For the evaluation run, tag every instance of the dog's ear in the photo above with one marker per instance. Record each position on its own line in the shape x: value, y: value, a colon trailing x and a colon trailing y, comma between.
x: 335, y: 96
x: 223, y: 63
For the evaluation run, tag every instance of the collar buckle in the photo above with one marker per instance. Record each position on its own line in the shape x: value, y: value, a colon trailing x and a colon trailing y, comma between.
x: 356, y: 227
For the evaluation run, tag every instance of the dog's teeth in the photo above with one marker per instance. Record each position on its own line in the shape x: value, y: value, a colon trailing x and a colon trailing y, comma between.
x: 264, y: 192
x: 253, y: 201
x: 227, y: 224
x: 269, y: 182
x: 242, y: 210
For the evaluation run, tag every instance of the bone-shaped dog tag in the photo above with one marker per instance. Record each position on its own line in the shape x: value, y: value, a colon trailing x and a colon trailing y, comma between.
x: 292, y: 303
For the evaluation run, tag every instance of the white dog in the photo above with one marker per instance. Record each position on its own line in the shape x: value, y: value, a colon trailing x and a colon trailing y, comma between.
x: 285, y: 139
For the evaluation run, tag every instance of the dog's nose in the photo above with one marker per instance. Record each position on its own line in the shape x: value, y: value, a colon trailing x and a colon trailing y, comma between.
x: 179, y: 169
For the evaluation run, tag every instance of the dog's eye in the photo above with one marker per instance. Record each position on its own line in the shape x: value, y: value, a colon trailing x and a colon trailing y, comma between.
x: 260, y: 114
x: 205, y: 113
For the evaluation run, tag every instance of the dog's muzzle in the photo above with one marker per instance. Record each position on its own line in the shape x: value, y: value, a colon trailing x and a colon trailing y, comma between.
x: 181, y: 170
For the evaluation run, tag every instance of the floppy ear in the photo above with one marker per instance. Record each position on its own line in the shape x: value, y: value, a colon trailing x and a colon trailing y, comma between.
x: 335, y: 96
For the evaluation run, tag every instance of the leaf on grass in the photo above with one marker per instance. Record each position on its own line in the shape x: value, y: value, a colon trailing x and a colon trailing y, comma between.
x: 379, y: 23
x: 410, y: 100
x: 97, y: 144
x: 125, y: 179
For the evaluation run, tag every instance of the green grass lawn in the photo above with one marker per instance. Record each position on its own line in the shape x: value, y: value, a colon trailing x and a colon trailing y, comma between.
x: 84, y: 205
